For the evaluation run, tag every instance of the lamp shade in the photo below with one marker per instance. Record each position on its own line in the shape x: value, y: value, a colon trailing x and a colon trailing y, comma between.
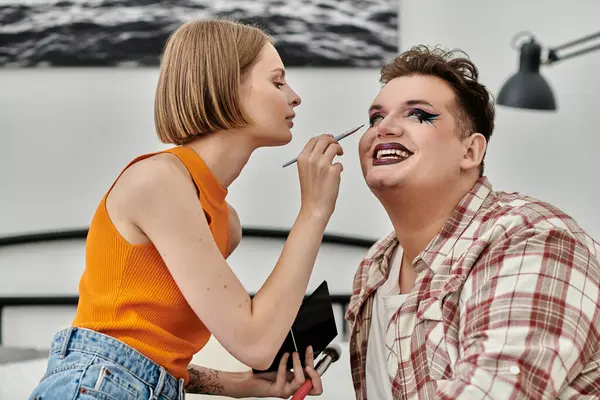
x: 527, y: 88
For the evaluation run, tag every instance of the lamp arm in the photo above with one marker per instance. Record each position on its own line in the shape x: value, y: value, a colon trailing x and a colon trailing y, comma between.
x: 553, y: 52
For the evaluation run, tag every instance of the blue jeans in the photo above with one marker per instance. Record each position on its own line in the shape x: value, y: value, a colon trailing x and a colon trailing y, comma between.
x: 87, y: 365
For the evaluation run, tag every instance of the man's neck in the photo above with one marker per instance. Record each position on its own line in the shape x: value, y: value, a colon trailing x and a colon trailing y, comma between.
x: 417, y: 219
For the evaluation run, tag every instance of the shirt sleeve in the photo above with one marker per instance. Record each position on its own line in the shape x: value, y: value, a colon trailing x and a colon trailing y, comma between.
x: 530, y: 318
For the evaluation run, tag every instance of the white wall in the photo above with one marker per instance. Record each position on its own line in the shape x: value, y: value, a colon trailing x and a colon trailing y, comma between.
x: 67, y: 133
x: 71, y: 131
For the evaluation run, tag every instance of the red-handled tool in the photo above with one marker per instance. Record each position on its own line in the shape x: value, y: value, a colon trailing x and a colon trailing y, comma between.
x: 330, y: 355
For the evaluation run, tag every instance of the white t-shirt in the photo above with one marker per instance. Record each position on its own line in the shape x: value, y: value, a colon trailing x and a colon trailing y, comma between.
x: 386, y: 302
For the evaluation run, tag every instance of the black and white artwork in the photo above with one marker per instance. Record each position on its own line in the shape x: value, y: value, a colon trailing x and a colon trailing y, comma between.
x: 113, y: 33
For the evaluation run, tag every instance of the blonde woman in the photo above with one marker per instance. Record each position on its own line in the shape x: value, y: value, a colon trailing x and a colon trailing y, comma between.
x: 156, y: 284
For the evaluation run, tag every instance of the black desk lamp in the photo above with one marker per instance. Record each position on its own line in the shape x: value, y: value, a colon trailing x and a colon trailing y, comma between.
x: 527, y: 88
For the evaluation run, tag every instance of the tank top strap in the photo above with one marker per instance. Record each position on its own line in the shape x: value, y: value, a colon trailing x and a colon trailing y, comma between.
x: 203, y: 177
x: 211, y: 190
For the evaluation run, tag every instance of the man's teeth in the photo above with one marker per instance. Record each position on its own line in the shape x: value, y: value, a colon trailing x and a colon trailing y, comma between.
x: 392, y: 153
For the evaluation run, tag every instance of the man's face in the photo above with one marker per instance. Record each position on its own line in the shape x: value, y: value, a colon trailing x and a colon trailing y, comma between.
x: 412, y: 142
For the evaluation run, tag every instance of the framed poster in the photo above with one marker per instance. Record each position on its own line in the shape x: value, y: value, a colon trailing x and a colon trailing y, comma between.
x: 132, y: 33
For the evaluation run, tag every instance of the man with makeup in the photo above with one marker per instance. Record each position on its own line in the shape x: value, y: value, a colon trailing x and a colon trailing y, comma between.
x: 476, y: 294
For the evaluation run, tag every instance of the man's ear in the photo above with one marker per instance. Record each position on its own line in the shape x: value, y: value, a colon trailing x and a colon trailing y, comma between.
x: 475, y: 146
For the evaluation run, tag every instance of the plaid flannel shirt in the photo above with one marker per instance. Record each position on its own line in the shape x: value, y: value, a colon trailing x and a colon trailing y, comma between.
x: 505, y: 306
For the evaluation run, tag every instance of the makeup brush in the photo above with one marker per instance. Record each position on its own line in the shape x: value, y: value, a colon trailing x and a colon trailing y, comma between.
x: 337, y: 138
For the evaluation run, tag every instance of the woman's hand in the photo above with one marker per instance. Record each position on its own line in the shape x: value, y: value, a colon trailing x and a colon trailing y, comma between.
x: 283, y: 384
x: 319, y: 175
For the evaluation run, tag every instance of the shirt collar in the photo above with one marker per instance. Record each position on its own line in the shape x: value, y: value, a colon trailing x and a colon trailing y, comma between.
x: 375, y: 267
x: 455, y: 226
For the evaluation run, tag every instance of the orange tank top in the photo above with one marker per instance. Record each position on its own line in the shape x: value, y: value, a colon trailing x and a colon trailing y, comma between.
x: 127, y: 292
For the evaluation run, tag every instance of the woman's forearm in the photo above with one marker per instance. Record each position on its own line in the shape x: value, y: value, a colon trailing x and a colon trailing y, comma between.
x: 204, y: 380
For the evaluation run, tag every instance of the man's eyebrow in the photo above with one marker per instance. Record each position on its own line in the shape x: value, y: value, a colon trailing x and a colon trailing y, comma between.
x: 376, y: 107
x: 417, y: 102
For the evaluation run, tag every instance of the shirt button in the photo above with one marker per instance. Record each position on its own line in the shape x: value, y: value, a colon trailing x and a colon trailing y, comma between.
x: 515, y: 370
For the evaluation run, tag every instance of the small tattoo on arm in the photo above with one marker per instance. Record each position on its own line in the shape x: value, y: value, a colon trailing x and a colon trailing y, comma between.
x: 204, y: 381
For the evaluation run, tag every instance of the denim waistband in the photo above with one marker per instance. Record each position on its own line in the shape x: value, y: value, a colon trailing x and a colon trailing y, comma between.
x: 87, y: 341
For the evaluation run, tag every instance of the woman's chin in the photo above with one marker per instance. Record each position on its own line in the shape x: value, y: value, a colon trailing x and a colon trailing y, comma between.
x: 287, y: 138
x: 278, y: 139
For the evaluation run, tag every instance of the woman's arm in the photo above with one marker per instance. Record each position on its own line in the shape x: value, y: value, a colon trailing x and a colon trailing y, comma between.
x: 245, y: 384
x: 204, y: 380
x: 164, y: 205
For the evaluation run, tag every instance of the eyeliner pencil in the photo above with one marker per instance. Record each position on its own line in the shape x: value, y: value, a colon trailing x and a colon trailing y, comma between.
x: 337, y: 138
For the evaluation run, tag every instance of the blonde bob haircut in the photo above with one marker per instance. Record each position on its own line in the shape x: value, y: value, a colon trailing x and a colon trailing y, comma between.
x: 202, y: 66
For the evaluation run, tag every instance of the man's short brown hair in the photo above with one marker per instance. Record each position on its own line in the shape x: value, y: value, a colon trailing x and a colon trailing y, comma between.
x: 474, y: 109
x: 202, y: 67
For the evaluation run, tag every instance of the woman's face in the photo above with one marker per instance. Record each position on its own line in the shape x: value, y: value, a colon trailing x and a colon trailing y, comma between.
x: 269, y: 100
